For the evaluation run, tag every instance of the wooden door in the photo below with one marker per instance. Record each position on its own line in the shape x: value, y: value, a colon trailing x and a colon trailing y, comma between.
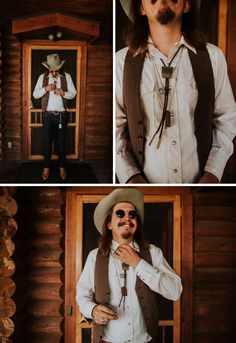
x: 34, y: 53
x: 162, y: 223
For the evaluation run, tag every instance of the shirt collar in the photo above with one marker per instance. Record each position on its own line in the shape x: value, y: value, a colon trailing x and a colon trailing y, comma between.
x: 115, y: 245
x: 58, y: 75
x: 182, y: 41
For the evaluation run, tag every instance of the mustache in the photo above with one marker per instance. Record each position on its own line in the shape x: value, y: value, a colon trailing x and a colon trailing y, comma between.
x: 125, y: 223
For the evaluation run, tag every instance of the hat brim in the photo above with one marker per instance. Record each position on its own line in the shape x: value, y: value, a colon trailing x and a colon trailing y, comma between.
x: 104, y: 207
x: 53, y: 66
x: 127, y: 3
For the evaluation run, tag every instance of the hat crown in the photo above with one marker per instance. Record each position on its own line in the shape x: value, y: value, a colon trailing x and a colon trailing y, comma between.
x: 53, y: 62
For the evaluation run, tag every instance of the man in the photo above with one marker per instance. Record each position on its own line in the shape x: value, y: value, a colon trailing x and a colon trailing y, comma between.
x: 176, y: 114
x: 121, y: 280
x: 55, y: 87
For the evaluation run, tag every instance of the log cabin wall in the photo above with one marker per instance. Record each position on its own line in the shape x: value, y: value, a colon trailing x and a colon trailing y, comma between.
x: 97, y: 135
x: 8, y: 228
x: 215, y: 265
x: 39, y: 266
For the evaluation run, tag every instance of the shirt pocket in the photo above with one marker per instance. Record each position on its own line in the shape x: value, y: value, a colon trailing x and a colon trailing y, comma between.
x: 187, y: 96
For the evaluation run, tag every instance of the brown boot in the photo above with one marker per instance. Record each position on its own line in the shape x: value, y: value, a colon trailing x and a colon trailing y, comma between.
x: 45, y: 174
x: 63, y: 174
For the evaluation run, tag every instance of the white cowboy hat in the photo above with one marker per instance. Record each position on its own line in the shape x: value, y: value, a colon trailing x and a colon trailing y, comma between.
x: 126, y: 7
x: 53, y: 62
x: 104, y: 207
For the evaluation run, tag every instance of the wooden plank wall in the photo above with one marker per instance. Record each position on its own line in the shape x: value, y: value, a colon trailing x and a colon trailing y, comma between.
x: 39, y: 261
x: 215, y: 265
x: 98, y: 121
x: 11, y: 98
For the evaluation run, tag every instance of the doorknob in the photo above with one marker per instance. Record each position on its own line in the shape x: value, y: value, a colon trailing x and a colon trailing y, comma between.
x: 69, y: 310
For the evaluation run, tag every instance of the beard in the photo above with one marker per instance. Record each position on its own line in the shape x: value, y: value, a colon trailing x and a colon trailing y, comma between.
x: 165, y: 16
x: 126, y: 235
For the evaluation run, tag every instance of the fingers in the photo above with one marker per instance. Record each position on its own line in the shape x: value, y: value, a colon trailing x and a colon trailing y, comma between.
x: 102, y: 314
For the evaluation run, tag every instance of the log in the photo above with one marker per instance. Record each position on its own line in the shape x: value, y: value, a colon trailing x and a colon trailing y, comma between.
x: 7, y: 307
x: 7, y: 267
x: 45, y: 308
x: 7, y: 247
x: 45, y: 292
x: 7, y: 287
x: 45, y: 325
x: 5, y: 340
x: 8, y: 205
x: 6, y: 326
x: 8, y: 227
x: 46, y: 275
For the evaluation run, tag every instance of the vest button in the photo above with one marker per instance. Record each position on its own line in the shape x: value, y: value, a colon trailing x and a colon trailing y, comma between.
x: 140, y: 137
x: 140, y: 152
x: 107, y: 294
x: 140, y: 122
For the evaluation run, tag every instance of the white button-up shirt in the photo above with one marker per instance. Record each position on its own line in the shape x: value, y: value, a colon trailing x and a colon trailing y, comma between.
x: 130, y: 326
x: 55, y: 102
x: 176, y: 159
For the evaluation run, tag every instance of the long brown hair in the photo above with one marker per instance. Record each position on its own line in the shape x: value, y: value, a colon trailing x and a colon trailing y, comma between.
x: 104, y: 241
x: 137, y: 34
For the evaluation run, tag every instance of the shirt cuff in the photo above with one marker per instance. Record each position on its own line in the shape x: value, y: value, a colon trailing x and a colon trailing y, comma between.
x: 216, y: 162
x: 89, y: 309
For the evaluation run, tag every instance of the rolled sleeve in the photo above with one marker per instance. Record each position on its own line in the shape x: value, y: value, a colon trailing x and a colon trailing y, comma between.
x: 224, y: 120
x: 85, y: 286
x: 160, y: 277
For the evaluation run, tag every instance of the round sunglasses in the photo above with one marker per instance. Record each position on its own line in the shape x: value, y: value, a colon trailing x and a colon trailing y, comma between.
x: 132, y: 214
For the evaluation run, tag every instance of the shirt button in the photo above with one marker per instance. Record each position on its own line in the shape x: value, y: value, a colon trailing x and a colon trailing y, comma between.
x: 175, y: 170
x: 173, y: 142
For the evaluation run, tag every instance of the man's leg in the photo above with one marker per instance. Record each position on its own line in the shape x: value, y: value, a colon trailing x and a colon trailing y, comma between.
x: 48, y: 132
x: 62, y: 128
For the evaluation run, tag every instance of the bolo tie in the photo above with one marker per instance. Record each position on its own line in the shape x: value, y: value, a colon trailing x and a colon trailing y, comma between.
x: 167, y: 72
x: 124, y: 293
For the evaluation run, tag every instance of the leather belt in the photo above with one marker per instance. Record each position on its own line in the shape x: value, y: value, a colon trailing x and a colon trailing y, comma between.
x: 55, y: 113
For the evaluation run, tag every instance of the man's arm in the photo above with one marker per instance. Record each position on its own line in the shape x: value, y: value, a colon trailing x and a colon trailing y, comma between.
x: 71, y: 91
x: 224, y: 121
x: 159, y: 277
x: 39, y: 90
x: 85, y: 294
x: 126, y: 166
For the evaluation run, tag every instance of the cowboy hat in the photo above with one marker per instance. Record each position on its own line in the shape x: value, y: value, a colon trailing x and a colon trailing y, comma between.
x: 53, y: 62
x: 126, y: 7
x: 104, y: 207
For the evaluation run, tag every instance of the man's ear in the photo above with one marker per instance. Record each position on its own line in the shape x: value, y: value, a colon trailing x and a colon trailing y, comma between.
x: 142, y: 12
x: 187, y: 6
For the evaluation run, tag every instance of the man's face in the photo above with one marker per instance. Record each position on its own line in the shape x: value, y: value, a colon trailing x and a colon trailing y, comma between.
x: 54, y: 73
x: 164, y: 11
x: 123, y: 222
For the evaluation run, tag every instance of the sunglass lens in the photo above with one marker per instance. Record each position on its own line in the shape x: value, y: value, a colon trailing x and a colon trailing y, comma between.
x: 120, y: 213
x: 133, y: 214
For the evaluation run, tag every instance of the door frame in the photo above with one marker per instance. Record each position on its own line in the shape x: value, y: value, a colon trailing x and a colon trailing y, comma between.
x: 28, y: 46
x: 183, y: 266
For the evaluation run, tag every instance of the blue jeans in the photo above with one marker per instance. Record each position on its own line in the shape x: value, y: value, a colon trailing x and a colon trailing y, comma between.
x: 50, y: 127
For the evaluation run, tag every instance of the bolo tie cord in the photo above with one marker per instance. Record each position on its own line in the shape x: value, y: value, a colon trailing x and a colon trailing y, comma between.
x: 167, y: 72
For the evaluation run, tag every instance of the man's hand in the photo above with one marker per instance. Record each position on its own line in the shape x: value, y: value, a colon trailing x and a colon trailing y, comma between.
x: 208, y: 178
x: 127, y: 255
x: 59, y: 91
x: 50, y: 87
x: 102, y: 314
x: 138, y: 178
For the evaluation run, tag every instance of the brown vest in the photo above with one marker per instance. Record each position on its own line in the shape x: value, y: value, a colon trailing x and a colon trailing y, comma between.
x: 148, y: 299
x: 203, y: 115
x: 44, y: 102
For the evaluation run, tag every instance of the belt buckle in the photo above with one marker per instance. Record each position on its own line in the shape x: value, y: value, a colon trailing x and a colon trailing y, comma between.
x: 56, y: 113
